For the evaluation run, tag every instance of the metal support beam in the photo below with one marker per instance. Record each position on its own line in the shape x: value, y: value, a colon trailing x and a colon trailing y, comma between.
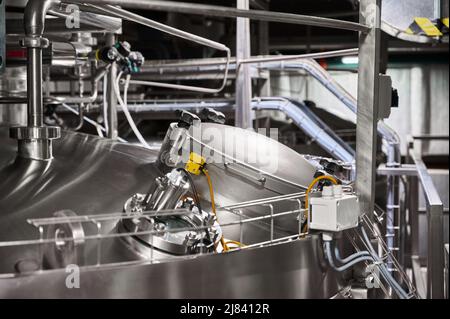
x: 111, y: 101
x: 244, y: 118
x: 368, y: 97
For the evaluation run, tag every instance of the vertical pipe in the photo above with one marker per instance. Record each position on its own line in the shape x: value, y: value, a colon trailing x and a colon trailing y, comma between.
x: 34, y: 91
x: 110, y: 95
x: 243, y: 116
x: 368, y: 99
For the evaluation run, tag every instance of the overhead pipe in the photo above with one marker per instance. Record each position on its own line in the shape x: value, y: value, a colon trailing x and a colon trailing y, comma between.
x: 228, y: 12
x: 124, y: 14
x: 307, y: 121
x: 35, y: 140
x: 310, y: 124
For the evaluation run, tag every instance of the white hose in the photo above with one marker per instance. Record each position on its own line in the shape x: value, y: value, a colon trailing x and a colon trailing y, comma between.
x: 124, y: 14
x: 100, y: 129
x: 189, y: 87
x: 123, y: 104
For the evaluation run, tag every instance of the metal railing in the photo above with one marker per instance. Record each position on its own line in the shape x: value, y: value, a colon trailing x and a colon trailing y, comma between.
x: 102, y: 232
x: 99, y: 220
x: 385, y: 253
x: 417, y: 173
x: 435, y: 220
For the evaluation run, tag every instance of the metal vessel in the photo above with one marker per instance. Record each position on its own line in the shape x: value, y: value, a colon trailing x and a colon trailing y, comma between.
x: 213, y: 211
x: 99, y: 178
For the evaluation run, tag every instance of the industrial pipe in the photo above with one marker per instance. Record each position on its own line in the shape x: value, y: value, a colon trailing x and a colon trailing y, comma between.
x: 83, y: 99
x: 310, y: 124
x: 35, y: 140
x: 228, y: 12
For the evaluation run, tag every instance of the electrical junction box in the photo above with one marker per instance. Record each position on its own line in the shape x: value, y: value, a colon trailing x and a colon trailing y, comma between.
x: 334, y: 211
x: 385, y: 102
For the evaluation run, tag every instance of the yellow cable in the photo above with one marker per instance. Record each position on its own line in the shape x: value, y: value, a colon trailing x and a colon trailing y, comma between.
x: 310, y: 188
x: 233, y: 242
x: 213, y: 205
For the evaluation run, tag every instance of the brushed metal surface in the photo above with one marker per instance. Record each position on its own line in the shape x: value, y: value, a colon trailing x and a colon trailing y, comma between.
x: 293, y: 270
x: 235, y: 184
x: 89, y: 175
x: 94, y: 175
x: 397, y: 16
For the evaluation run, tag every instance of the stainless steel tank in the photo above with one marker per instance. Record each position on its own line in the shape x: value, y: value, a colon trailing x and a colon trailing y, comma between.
x: 91, y: 175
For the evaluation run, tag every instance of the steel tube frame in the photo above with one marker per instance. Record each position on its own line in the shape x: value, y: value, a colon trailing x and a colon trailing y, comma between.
x: 111, y: 102
x: 368, y: 99
x: 228, y: 12
x: 243, y: 117
x: 435, y: 217
x: 34, y: 91
x: 418, y: 173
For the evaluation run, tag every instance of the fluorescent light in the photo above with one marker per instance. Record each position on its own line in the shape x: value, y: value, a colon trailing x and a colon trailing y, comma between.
x: 350, y: 60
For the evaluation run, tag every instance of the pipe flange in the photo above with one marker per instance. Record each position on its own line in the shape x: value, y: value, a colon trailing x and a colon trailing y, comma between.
x: 35, y: 133
x: 68, y: 242
x: 34, y: 42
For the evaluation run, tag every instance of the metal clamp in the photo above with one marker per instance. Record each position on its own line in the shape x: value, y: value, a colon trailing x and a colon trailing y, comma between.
x: 35, y: 142
x: 34, y: 42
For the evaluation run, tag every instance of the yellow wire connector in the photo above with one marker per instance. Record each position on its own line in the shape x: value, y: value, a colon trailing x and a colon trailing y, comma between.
x: 195, y: 164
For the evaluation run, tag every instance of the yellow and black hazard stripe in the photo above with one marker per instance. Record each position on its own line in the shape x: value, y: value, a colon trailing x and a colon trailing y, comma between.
x: 444, y: 25
x: 424, y: 26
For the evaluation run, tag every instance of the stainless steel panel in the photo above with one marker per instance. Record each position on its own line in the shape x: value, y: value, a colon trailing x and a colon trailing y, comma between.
x: 88, y: 175
x: 94, y: 175
x: 401, y: 14
x: 398, y: 15
x: 293, y: 270
x: 235, y: 183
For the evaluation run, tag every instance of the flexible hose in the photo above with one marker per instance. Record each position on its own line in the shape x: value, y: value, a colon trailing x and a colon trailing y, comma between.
x: 188, y: 87
x: 349, y: 258
x: 347, y: 265
x: 125, y: 108
x: 384, y: 271
x: 213, y: 205
x: 400, y: 292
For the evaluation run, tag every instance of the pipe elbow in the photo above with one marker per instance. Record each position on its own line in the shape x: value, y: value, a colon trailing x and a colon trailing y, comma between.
x: 34, y: 18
